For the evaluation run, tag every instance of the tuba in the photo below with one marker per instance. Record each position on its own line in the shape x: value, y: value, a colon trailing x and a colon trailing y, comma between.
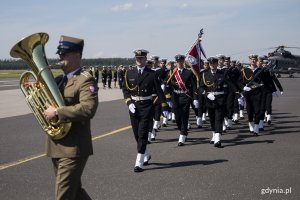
x: 38, y: 85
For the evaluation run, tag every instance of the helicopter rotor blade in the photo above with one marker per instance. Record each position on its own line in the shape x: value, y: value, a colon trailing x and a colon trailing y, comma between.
x: 292, y: 47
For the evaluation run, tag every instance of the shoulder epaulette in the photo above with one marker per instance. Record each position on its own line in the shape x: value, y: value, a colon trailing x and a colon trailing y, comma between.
x: 86, y: 74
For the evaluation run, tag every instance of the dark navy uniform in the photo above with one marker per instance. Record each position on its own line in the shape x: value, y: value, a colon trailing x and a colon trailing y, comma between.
x: 115, y: 76
x: 104, y: 77
x: 138, y: 89
x: 120, y: 74
x: 157, y: 105
x: 181, y: 100
x: 269, y: 89
x: 252, y: 79
x: 109, y: 77
x: 213, y: 84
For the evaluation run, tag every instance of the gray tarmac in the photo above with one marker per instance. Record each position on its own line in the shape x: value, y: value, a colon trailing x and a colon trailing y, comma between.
x: 247, y: 167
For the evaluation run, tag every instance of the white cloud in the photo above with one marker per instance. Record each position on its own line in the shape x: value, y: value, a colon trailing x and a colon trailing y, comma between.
x: 123, y: 7
x: 98, y: 54
x: 183, y: 6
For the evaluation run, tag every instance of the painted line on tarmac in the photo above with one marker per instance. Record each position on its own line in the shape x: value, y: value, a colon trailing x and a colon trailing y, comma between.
x: 21, y: 161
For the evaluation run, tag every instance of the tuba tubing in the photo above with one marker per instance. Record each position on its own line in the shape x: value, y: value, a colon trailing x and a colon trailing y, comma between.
x: 39, y: 86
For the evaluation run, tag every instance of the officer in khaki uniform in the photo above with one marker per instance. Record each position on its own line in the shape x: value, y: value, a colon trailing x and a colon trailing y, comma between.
x: 79, y: 90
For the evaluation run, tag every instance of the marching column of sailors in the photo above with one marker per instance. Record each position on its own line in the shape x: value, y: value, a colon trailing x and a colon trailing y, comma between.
x: 220, y: 91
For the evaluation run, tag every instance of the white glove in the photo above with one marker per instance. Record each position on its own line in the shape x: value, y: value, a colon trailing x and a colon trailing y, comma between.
x: 132, y: 108
x: 246, y: 88
x: 274, y: 94
x: 281, y: 92
x: 211, y: 96
x: 170, y: 104
x: 163, y: 87
x: 165, y: 114
x: 196, y: 103
x: 241, y: 101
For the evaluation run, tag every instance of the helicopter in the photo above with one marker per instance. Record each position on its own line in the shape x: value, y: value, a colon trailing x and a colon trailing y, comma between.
x: 286, y: 62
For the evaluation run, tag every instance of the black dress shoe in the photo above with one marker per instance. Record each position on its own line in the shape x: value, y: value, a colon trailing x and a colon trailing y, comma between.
x: 173, y: 121
x: 251, y: 132
x: 269, y: 122
x: 148, y: 142
x: 199, y: 126
x: 147, y: 162
x: 138, y: 169
x: 164, y: 125
x: 211, y: 142
x: 255, y: 134
x: 180, y: 144
x: 152, y: 139
x: 218, y: 144
x: 261, y: 129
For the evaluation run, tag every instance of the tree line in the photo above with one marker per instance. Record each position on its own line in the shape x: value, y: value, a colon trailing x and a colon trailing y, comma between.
x: 11, y: 64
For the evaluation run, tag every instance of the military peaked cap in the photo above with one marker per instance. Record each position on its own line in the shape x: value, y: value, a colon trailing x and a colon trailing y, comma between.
x: 220, y: 56
x: 253, y: 56
x: 212, y: 59
x: 140, y: 53
x: 154, y: 57
x: 70, y: 44
x: 179, y: 57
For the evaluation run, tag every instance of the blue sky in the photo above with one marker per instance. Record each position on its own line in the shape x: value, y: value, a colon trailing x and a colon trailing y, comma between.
x: 164, y: 27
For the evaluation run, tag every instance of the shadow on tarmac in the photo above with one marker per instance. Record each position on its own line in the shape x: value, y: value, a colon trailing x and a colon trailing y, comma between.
x: 184, y: 164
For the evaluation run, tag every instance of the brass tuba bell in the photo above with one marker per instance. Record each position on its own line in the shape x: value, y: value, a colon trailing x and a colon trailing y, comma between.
x: 43, y: 90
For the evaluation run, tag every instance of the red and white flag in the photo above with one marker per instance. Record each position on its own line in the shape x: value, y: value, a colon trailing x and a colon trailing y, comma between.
x: 193, y: 56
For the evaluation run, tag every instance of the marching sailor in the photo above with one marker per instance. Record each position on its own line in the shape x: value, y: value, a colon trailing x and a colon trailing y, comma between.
x: 139, y: 84
x: 212, y: 85
x: 184, y: 93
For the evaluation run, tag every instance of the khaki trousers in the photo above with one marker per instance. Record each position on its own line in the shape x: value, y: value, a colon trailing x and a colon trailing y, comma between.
x: 68, y: 173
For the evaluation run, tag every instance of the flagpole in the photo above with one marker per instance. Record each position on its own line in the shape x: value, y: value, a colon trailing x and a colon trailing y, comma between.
x: 199, y: 40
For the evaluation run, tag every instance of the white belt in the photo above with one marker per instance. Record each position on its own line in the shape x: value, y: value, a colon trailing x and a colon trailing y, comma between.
x: 179, y: 91
x: 216, y: 93
x: 139, y: 98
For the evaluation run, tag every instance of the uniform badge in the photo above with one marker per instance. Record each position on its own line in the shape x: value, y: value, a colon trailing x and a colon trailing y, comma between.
x: 92, y: 89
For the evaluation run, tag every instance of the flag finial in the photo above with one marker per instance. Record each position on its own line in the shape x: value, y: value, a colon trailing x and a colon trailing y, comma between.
x: 200, y: 33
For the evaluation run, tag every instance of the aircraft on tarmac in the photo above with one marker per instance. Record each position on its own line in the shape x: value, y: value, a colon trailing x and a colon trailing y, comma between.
x: 286, y: 62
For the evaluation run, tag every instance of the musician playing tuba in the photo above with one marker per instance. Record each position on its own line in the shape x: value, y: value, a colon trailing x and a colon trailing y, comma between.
x: 80, y: 92
x: 64, y: 112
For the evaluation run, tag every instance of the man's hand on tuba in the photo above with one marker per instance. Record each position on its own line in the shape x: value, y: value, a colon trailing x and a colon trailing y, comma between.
x: 50, y: 113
